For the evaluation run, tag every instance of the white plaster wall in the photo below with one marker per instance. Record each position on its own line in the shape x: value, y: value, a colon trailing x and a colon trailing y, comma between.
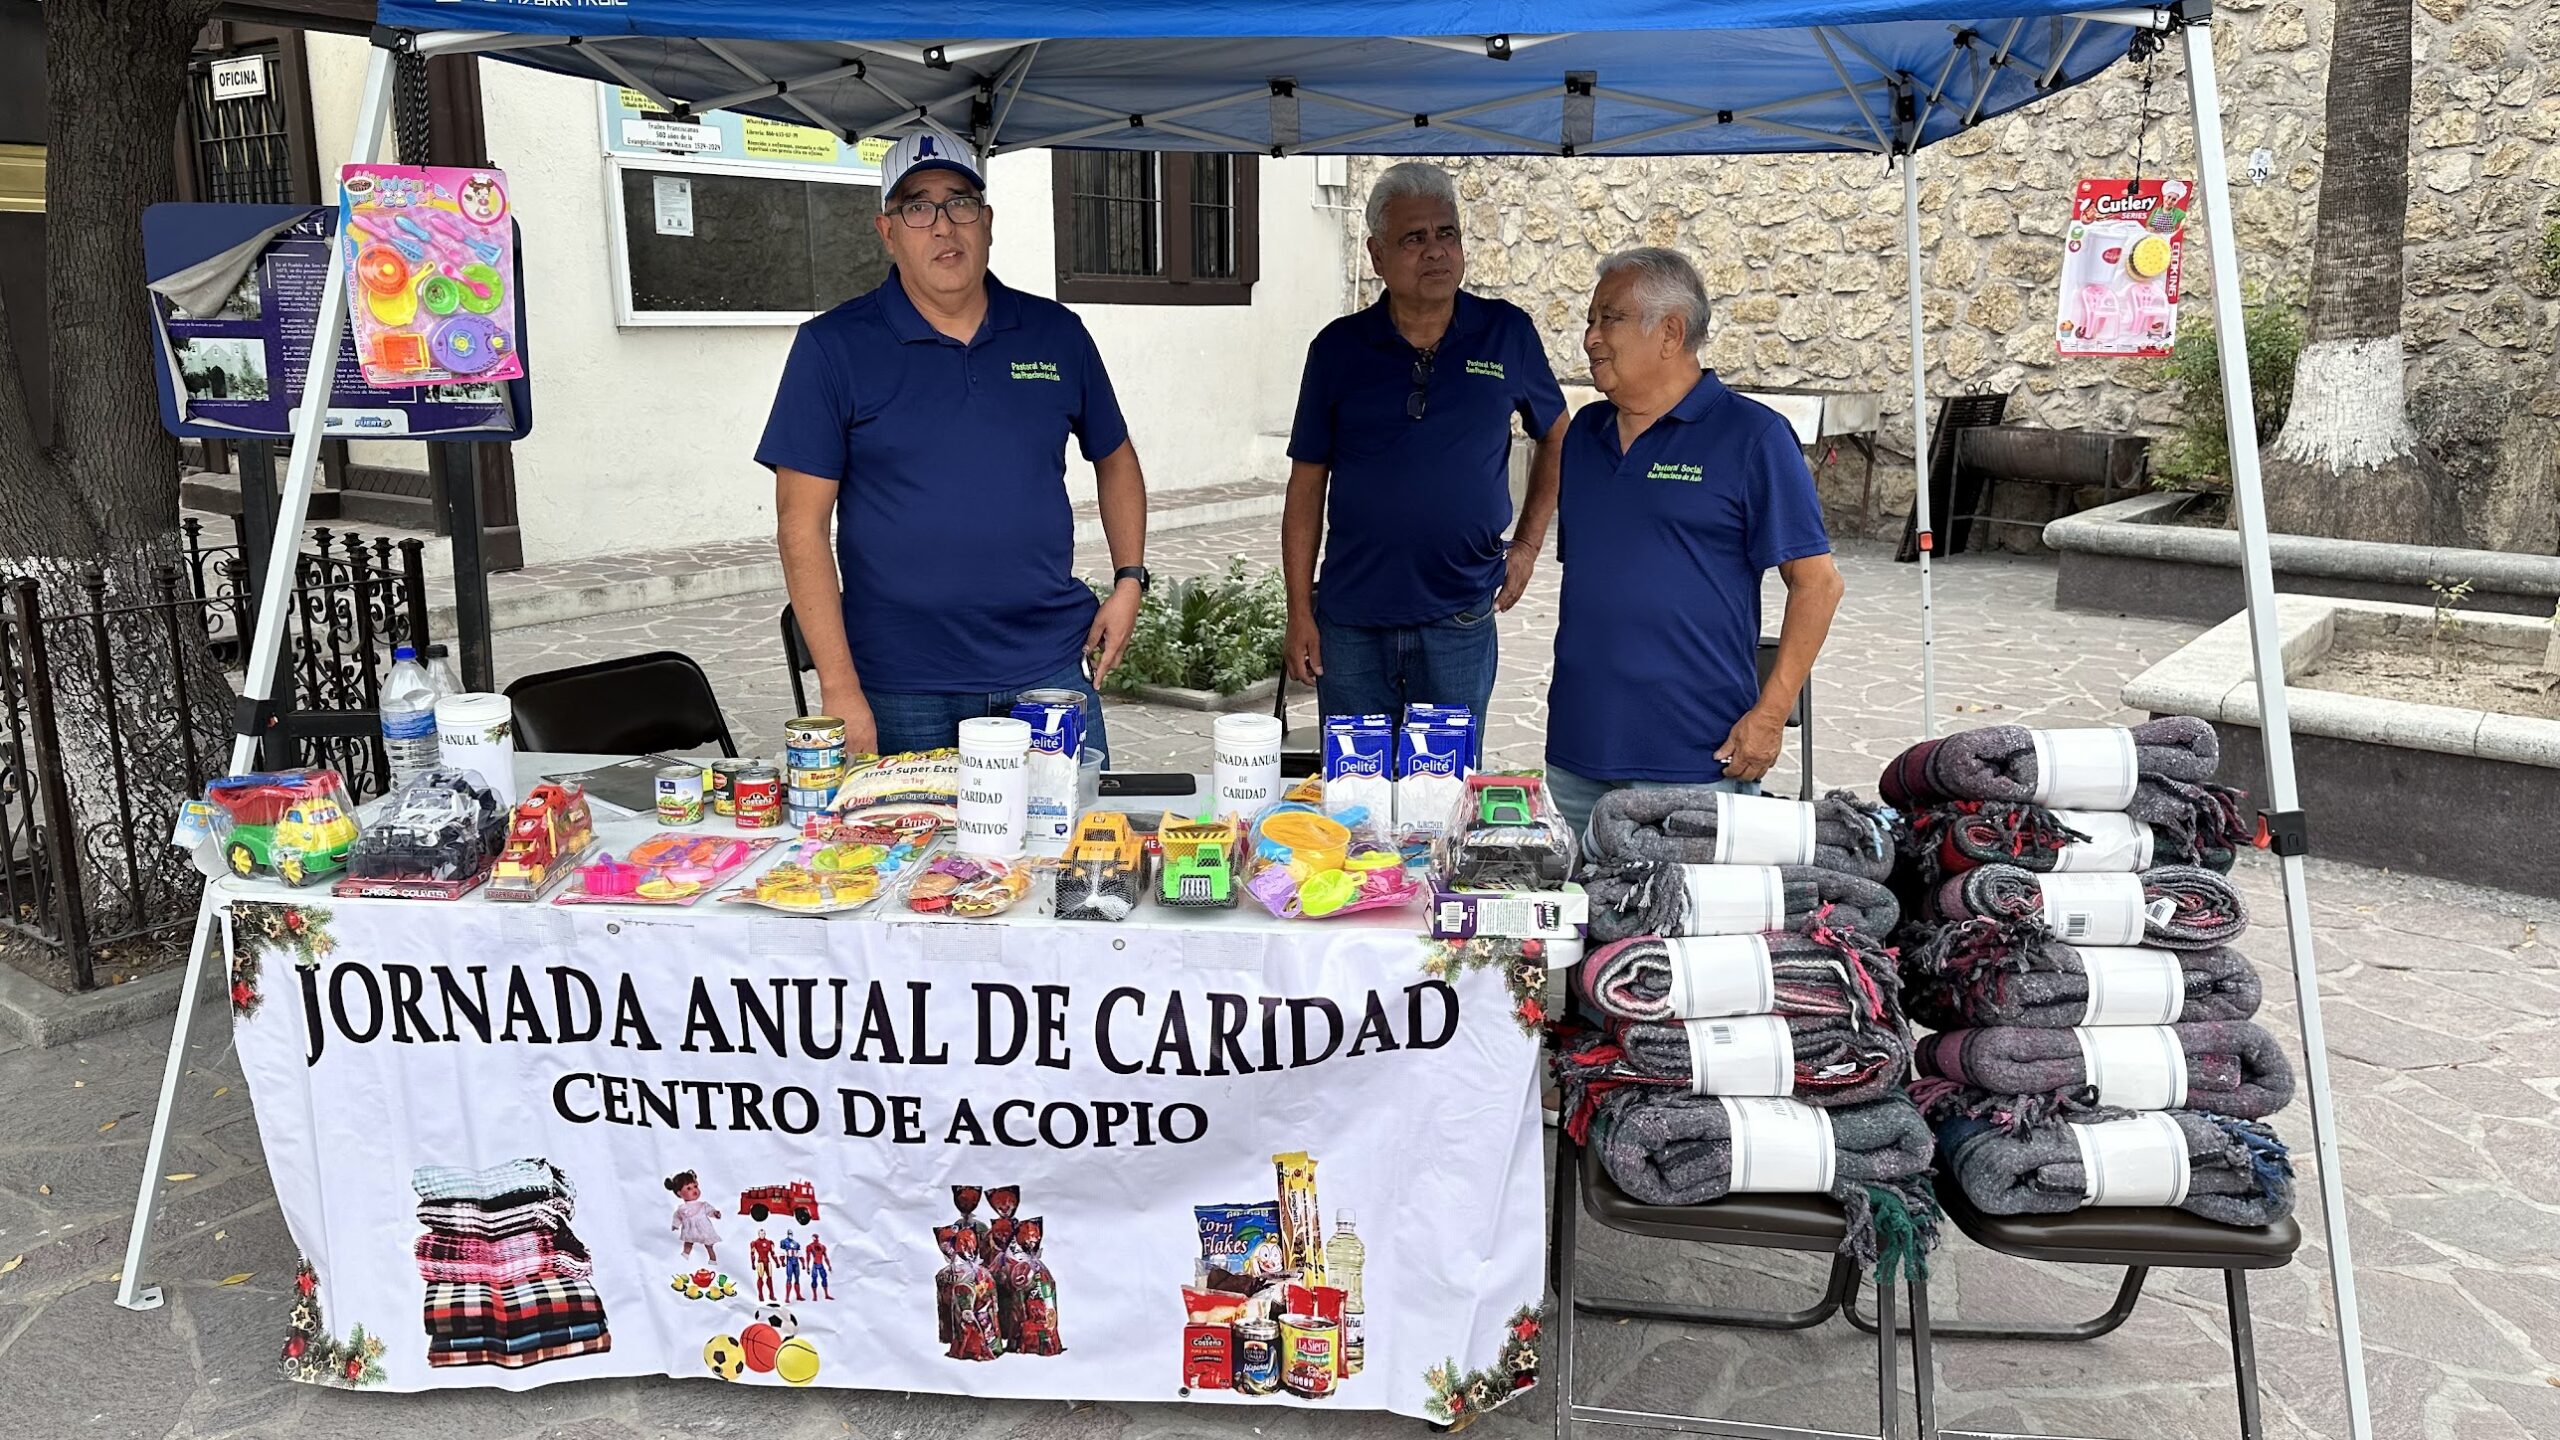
x: 644, y: 436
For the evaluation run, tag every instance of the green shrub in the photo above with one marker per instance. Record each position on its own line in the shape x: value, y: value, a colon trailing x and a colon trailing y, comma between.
x: 2197, y: 456
x: 1219, y: 632
x: 2546, y: 257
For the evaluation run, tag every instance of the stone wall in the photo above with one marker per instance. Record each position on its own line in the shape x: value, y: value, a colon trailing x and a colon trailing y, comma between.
x: 1803, y: 257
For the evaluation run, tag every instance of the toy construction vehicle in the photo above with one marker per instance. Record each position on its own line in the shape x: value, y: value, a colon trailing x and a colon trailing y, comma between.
x: 1199, y: 864
x: 1507, y: 836
x: 292, y: 824
x: 550, y: 831
x: 1104, y: 869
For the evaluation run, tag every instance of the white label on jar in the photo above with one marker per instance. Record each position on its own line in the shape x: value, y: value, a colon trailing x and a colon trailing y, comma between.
x: 2092, y: 768
x: 2132, y: 985
x: 1744, y: 1055
x: 2093, y: 909
x: 1733, y: 899
x: 1779, y: 1146
x: 1762, y: 830
x: 2117, y: 843
x: 2135, y: 1160
x: 2135, y: 1067
x: 1713, y: 975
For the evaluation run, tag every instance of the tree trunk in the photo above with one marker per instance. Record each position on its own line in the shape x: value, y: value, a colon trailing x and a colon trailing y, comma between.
x: 90, y: 510
x: 2348, y: 464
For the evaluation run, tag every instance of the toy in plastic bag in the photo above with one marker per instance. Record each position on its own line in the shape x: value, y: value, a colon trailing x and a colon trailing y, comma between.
x: 1307, y: 865
x: 294, y: 825
x: 967, y: 887
x: 1505, y: 834
x: 667, y: 869
x: 434, y: 838
x: 839, y: 866
x: 1198, y: 871
x: 1104, y: 870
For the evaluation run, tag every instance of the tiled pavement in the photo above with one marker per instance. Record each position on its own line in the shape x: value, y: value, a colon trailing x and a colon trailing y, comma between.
x: 2444, y: 1015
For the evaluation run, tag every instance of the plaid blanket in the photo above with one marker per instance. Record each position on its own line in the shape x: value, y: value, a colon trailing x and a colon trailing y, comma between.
x: 560, y: 1351
x: 468, y: 1260
x: 457, y: 1310
x: 522, y: 1214
x: 530, y: 1340
x: 506, y: 1183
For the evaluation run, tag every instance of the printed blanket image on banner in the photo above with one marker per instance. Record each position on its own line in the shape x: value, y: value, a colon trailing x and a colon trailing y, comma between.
x: 525, y: 1146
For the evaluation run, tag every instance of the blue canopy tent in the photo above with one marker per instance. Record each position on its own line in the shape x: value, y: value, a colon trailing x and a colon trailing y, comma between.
x: 1393, y: 77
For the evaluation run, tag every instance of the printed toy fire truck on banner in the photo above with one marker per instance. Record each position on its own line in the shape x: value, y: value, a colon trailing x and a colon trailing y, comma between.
x: 2122, y: 256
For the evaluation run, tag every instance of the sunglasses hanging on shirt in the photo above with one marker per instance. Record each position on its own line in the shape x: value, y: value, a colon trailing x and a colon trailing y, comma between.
x: 1416, y: 402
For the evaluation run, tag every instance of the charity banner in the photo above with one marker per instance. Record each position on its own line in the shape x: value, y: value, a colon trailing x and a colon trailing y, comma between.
x: 2122, y: 255
x: 519, y: 1146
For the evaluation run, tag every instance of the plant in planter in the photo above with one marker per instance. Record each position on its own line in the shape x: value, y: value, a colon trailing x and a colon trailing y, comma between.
x: 1219, y: 633
x: 2197, y: 456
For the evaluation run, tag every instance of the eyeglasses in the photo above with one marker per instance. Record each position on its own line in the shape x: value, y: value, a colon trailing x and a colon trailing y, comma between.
x: 1413, y: 242
x: 1415, y: 402
x: 960, y: 209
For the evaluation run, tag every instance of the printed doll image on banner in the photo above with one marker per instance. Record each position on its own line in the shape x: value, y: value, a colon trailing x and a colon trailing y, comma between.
x: 694, y: 1216
x: 1273, y: 1304
x: 508, y: 1283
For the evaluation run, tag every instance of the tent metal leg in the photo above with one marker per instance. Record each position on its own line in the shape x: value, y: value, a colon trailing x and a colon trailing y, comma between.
x: 264, y: 653
x: 1920, y: 447
x: 2248, y: 501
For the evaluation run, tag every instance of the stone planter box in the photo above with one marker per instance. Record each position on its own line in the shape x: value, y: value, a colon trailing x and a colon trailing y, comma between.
x: 1256, y: 696
x: 2467, y: 795
x: 2129, y: 558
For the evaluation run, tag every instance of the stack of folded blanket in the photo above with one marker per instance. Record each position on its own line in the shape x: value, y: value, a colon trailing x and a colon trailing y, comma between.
x: 1741, y: 997
x: 2071, y: 940
x: 508, y: 1283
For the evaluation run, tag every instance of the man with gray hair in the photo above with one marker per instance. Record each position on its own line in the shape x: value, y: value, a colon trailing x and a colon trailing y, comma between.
x: 1400, y: 466
x: 1678, y: 495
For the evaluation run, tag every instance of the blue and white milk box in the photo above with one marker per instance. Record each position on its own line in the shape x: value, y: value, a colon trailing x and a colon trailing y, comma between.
x: 1431, y: 775
x: 1425, y: 713
x: 1359, y: 770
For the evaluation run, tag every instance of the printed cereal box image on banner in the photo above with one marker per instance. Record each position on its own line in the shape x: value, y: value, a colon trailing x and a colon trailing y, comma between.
x: 1273, y: 1304
x: 2122, y: 256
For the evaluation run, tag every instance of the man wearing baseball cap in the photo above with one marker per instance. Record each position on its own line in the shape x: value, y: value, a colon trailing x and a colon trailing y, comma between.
x: 928, y: 421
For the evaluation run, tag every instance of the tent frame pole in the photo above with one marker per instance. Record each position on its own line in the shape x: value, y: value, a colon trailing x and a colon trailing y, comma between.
x: 1922, y: 534
x: 2275, y: 724
x: 265, y: 656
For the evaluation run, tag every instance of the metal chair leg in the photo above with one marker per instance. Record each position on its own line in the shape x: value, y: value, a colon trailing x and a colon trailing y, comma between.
x: 2127, y: 1296
x: 1888, y: 1390
x: 1924, y: 1364
x: 1568, y: 1201
x: 2244, y: 1352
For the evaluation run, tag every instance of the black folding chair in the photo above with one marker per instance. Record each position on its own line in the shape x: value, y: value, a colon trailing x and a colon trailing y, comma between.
x: 659, y: 701
x: 1811, y: 1223
x: 2138, y: 1239
x: 795, y: 658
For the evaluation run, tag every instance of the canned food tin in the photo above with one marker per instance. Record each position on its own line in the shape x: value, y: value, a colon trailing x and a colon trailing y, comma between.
x: 813, y: 732
x: 800, y: 797
x: 817, y: 777
x: 724, y: 778
x: 1257, y: 1357
x: 800, y: 757
x: 758, y: 792
x: 680, y: 795
x: 1309, y: 1355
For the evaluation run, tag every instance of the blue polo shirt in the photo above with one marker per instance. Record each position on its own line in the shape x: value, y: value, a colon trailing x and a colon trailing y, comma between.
x: 1415, y: 509
x: 954, y: 536
x: 1663, y: 546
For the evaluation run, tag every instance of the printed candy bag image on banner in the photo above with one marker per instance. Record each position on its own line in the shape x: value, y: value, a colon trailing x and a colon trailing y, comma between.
x: 2122, y: 256
x: 430, y: 269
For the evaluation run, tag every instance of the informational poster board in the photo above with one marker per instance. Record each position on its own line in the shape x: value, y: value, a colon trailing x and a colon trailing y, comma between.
x: 2123, y: 253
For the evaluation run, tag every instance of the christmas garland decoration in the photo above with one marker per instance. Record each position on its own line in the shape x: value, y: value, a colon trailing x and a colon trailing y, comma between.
x: 1458, y: 1399
x: 314, y: 1356
x: 1524, y: 970
x: 263, y: 927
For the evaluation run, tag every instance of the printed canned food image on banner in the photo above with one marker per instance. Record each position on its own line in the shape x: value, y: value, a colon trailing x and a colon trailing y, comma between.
x: 1273, y: 1304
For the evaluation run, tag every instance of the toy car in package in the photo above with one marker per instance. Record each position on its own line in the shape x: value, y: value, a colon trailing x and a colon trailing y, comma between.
x: 1305, y: 864
x: 294, y: 825
x: 1104, y: 869
x: 550, y: 829
x: 1198, y: 868
x: 1505, y: 834
x: 434, y: 838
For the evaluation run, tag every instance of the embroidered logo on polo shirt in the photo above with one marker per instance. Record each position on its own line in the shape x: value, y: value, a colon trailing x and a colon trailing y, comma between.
x: 1487, y: 367
x: 1037, y: 370
x: 1665, y: 470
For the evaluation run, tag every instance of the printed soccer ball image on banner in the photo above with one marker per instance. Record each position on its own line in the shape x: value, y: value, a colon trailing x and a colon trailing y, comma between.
x: 2121, y: 259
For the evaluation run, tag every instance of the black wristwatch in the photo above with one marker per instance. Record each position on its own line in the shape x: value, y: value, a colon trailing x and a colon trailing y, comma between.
x: 1132, y: 572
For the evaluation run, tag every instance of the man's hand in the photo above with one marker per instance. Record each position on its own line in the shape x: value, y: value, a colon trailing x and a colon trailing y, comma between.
x: 842, y: 697
x: 1752, y: 748
x: 1301, y: 650
x: 1112, y: 625
x: 1517, y: 563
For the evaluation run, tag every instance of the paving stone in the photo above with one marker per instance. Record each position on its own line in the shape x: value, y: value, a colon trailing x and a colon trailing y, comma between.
x: 2533, y: 1402
x: 2489, y: 1090
x: 89, y: 1368
x: 330, y: 1414
x: 238, y: 1333
x: 2432, y: 1320
x: 2395, y: 1044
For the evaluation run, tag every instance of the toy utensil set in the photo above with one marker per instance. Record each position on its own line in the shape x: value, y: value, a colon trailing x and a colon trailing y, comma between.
x: 2121, y: 259
x: 429, y: 254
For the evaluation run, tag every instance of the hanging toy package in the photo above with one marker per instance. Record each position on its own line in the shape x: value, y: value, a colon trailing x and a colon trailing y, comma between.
x: 430, y: 273
x: 2122, y: 254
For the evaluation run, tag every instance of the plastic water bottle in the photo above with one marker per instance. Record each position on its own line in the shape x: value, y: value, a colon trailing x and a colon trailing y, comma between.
x: 440, y: 670
x: 409, y: 716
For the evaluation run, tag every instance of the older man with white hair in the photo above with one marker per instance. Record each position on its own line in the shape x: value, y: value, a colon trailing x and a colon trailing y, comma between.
x: 1678, y: 495
x: 1400, y: 465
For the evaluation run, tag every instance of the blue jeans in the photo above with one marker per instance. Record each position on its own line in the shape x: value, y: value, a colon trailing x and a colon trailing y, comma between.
x: 909, y: 720
x: 1574, y: 795
x: 1380, y: 669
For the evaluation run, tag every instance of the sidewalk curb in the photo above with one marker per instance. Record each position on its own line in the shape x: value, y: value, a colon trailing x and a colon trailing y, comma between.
x: 46, y: 1018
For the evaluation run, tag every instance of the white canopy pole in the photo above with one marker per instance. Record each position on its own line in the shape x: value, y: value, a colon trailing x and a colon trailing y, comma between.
x: 2275, y: 725
x: 275, y: 600
x: 1920, y: 441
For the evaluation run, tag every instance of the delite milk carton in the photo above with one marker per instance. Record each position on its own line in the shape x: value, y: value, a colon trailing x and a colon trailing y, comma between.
x: 1425, y: 713
x: 1359, y: 768
x: 1431, y: 774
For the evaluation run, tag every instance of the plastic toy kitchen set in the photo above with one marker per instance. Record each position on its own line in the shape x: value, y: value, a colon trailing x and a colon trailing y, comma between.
x: 429, y: 253
x: 2121, y: 260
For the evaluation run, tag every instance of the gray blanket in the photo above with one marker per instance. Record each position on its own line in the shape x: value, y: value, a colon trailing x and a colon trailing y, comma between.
x: 1650, y: 897
x: 2233, y: 1066
x: 2240, y: 1173
x: 1976, y: 974
x: 1678, y: 823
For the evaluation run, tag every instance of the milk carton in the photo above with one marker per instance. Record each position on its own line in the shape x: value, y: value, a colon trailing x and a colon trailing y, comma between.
x: 1431, y: 775
x: 1425, y: 713
x: 1359, y: 769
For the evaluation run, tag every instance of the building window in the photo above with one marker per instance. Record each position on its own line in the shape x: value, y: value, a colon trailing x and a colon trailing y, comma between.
x: 1171, y: 228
